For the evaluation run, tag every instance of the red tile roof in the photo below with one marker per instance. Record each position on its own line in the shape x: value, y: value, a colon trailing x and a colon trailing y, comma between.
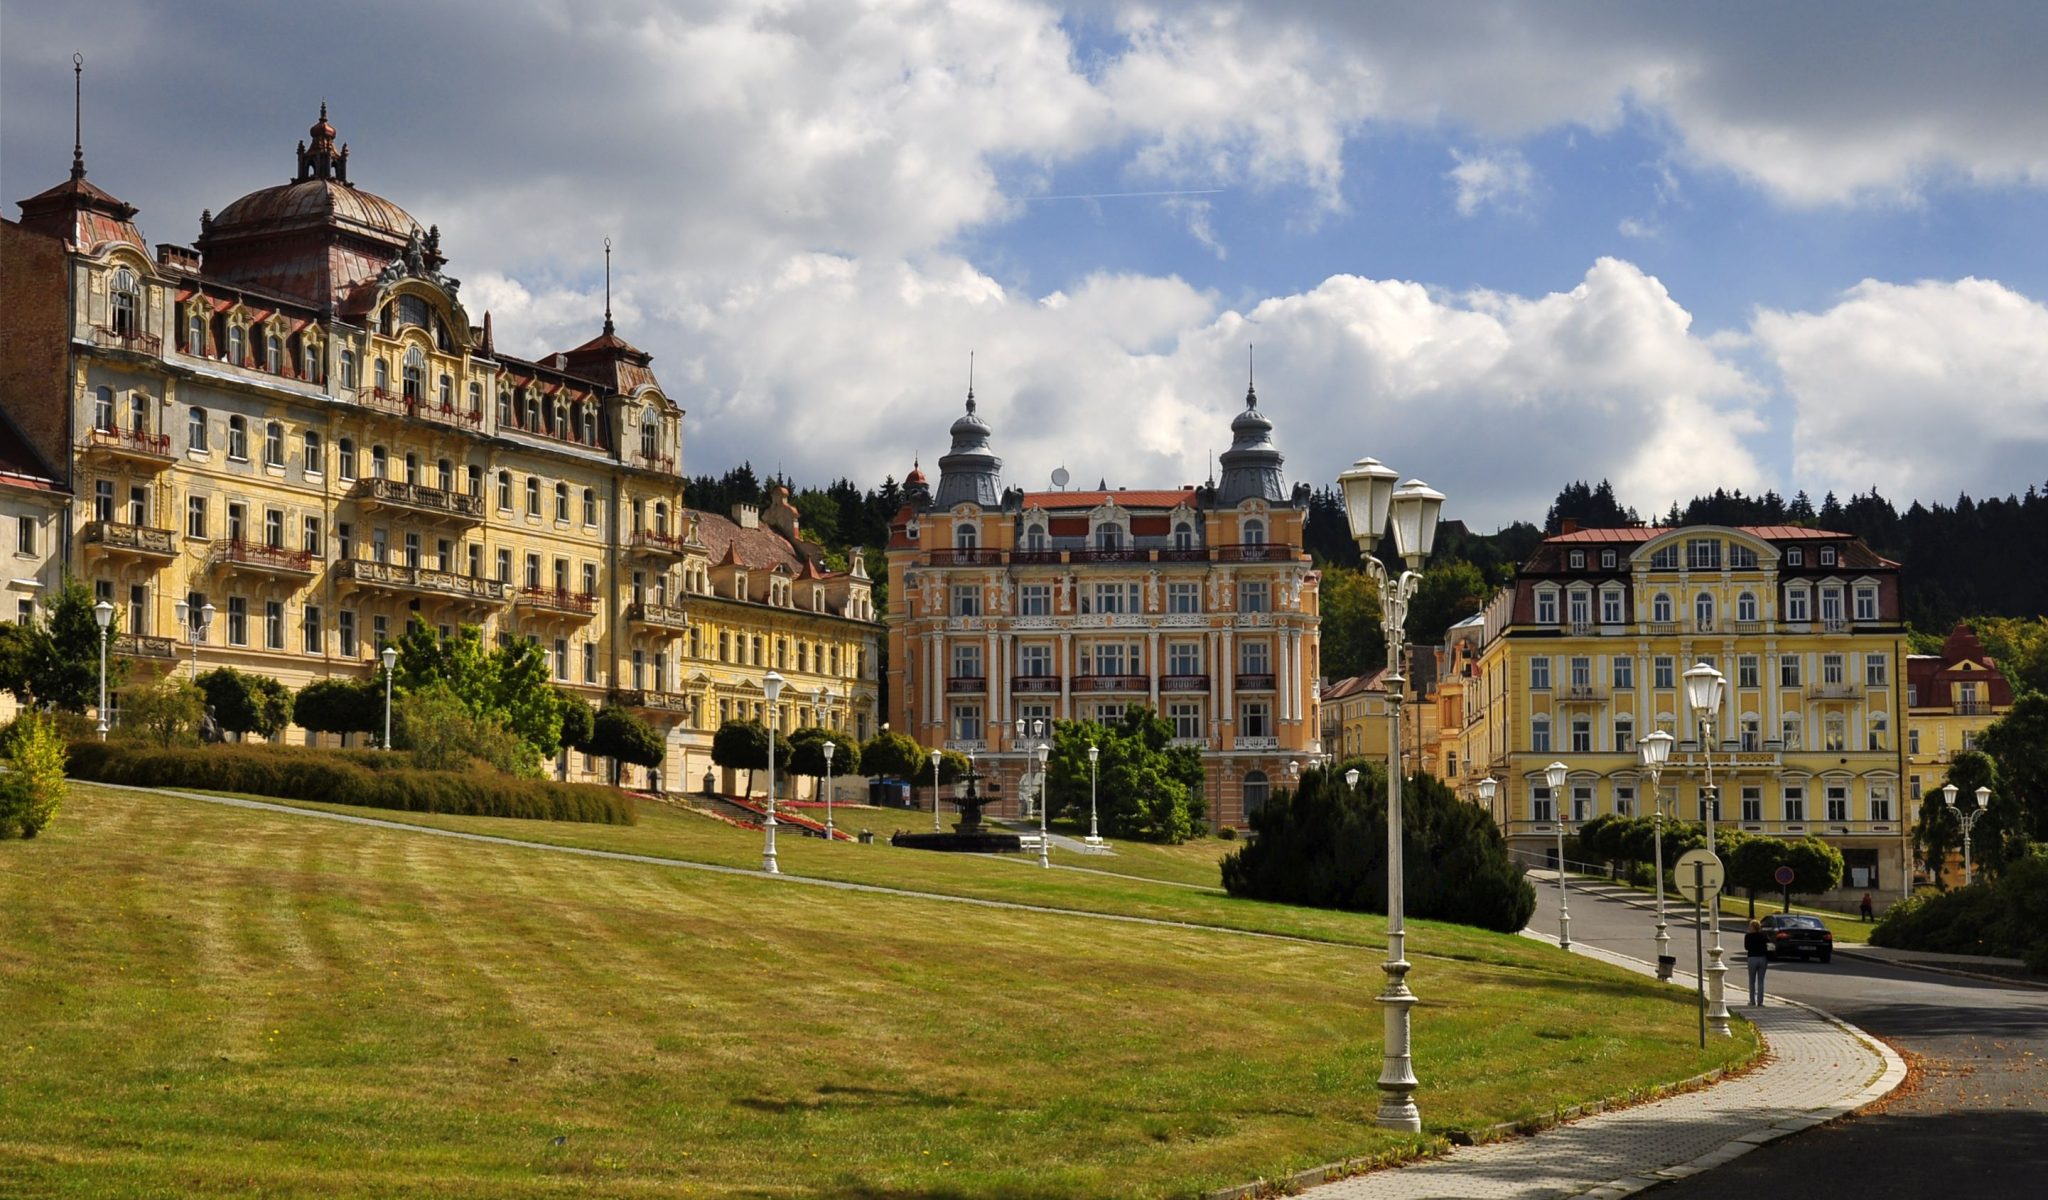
x: 1160, y: 498
x: 1643, y: 533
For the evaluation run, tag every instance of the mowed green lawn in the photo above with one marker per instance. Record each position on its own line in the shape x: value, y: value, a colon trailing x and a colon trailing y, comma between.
x: 205, y: 1001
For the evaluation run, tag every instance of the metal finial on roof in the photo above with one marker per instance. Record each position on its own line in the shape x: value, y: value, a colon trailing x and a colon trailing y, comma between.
x: 77, y: 107
x: 970, y: 381
x: 608, y: 285
x: 323, y: 108
x: 1251, y: 395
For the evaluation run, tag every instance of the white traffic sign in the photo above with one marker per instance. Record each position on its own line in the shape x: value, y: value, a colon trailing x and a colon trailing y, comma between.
x: 1699, y: 875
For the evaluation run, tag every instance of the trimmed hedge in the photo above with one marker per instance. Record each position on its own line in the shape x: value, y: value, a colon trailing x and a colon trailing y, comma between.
x: 2004, y: 916
x: 366, y: 778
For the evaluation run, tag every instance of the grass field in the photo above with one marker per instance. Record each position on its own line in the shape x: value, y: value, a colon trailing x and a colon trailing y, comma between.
x: 210, y: 1001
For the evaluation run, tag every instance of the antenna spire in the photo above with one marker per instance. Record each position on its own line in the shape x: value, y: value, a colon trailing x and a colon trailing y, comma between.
x: 77, y: 124
x: 608, y: 328
x: 970, y: 381
x: 1251, y: 394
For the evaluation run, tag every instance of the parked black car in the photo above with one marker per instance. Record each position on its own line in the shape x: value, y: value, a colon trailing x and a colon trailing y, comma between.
x: 1792, y: 935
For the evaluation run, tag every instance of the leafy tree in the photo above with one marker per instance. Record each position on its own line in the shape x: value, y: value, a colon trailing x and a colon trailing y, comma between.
x: 508, y: 682
x: 1937, y: 833
x: 744, y: 746
x: 579, y: 721
x: 444, y: 735
x: 166, y: 712
x: 1752, y: 864
x: 1353, y: 642
x: 1147, y: 788
x: 1816, y: 866
x: 33, y: 786
x: 1450, y: 592
x: 56, y: 662
x: 1324, y: 845
x: 340, y: 706
x: 807, y: 753
x: 1591, y: 507
x: 892, y: 755
x: 2018, y: 744
x: 619, y: 734
x: 244, y: 704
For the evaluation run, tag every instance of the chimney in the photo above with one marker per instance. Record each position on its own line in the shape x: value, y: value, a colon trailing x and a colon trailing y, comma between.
x: 746, y: 516
x: 1567, y: 525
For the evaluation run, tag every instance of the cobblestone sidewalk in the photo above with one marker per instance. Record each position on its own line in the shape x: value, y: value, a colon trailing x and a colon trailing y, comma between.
x: 1819, y: 1069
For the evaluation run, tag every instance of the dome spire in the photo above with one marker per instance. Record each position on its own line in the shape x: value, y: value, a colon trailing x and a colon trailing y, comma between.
x: 319, y: 159
x: 608, y: 286
x: 970, y: 381
x: 77, y: 118
x: 1251, y: 391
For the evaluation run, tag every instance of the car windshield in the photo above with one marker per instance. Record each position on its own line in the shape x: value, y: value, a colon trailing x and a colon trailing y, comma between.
x: 1785, y: 922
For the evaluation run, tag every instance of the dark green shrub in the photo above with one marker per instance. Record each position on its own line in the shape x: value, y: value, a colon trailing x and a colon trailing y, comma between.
x: 2004, y: 917
x: 1324, y: 845
x: 365, y: 778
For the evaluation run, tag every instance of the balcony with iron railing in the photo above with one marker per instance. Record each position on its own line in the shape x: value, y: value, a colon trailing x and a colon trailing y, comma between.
x: 451, y: 415
x: 664, y: 463
x: 647, y: 701
x: 1183, y: 683
x: 418, y: 499
x: 383, y: 399
x: 142, y: 645
x: 1037, y: 685
x: 118, y: 538
x: 972, y: 685
x: 149, y: 449
x: 1256, y: 552
x: 656, y: 545
x: 1254, y: 681
x: 1109, y: 554
x: 967, y: 556
x: 1112, y: 683
x: 107, y: 337
x: 1255, y: 742
x: 1837, y: 690
x: 1581, y: 692
x: 1836, y: 625
x: 560, y: 601
x: 659, y: 616
x: 1971, y: 708
x: 1035, y: 558
x: 264, y: 559
x: 1184, y: 554
x: 420, y: 581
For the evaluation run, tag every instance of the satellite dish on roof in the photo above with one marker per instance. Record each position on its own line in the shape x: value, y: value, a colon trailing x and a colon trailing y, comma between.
x: 1060, y: 477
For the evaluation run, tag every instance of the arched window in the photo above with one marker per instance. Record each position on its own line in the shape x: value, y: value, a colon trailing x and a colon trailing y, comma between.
x: 273, y: 444
x: 415, y: 374
x: 964, y: 536
x: 273, y: 354
x: 1183, y: 536
x: 561, y: 426
x: 1034, y: 538
x: 589, y: 424
x: 348, y: 369
x: 504, y: 408
x: 309, y: 354
x: 1254, y: 532
x: 126, y: 303
x: 532, y: 411
x: 1539, y: 733
x: 195, y: 334
x: 1660, y: 607
x: 312, y: 447
x: 195, y: 429
x: 445, y: 393
x: 1880, y: 725
x: 103, y: 409
x: 1703, y: 612
x: 476, y: 400
x: 590, y: 506
x: 505, y: 490
x: 381, y: 371
x: 235, y: 345
x: 561, y: 502
x: 1109, y: 537
x: 650, y: 437
x: 532, y: 495
x: 1745, y: 607
x: 1256, y: 791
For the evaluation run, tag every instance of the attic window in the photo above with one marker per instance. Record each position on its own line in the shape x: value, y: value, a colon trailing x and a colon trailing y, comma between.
x: 413, y: 311
x: 1578, y: 560
x: 1607, y: 560
x: 122, y: 295
x: 1827, y: 556
x: 1795, y: 557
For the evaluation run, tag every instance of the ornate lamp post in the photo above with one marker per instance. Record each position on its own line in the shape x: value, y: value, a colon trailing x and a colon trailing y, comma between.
x: 1964, y: 817
x: 1094, y: 832
x: 1044, y: 843
x: 1656, y: 751
x: 390, y: 664
x: 1034, y: 728
x: 103, y: 613
x: 195, y: 632
x: 1554, y: 775
x: 1371, y: 504
x: 1703, y: 688
x: 831, y: 748
x: 1487, y: 788
x: 771, y: 688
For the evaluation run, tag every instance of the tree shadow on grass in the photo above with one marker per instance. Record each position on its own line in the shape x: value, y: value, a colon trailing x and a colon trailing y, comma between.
x: 833, y: 1095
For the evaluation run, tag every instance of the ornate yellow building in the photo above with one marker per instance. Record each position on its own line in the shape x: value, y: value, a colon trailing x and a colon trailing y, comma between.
x: 1197, y: 602
x: 1586, y: 653
x: 1951, y: 698
x: 296, y: 425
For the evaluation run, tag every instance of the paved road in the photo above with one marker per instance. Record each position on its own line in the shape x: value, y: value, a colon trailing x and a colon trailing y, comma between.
x: 1976, y: 1126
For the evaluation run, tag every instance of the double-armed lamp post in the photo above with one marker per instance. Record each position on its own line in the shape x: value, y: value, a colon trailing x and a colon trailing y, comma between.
x: 1371, y: 503
x: 1655, y: 751
x: 196, y: 622
x: 1966, y: 818
x: 1703, y: 689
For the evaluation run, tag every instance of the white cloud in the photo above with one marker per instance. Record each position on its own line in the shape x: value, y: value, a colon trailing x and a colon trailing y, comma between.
x: 1632, y: 227
x: 1921, y: 390
x: 1195, y: 215
x: 1500, y: 179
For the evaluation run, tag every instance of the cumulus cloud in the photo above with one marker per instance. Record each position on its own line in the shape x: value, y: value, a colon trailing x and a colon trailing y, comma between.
x: 1499, y: 179
x: 1923, y: 390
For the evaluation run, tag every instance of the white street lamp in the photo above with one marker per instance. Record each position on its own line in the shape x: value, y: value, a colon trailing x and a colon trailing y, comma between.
x: 1488, y: 788
x: 771, y: 688
x: 1967, y: 819
x: 1703, y: 690
x: 1555, y: 775
x: 103, y: 612
x: 196, y: 623
x: 938, y: 756
x: 1351, y: 779
x: 390, y: 662
x: 1371, y: 503
x: 1044, y: 843
x: 831, y: 748
x: 1094, y: 832
x: 1656, y: 751
x: 1034, y: 728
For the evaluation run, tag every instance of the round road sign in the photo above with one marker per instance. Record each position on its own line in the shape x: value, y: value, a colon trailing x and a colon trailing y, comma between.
x: 1784, y: 876
x: 1699, y: 875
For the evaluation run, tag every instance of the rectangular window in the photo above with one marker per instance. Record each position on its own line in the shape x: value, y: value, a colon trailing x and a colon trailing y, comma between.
x: 25, y: 535
x: 1582, y: 672
x: 1582, y: 735
x: 1254, y: 596
x: 1832, y: 671
x: 1539, y: 803
x: 504, y: 566
x: 412, y: 549
x: 1034, y: 661
x: 1866, y: 604
x: 1539, y: 674
x: 1582, y: 802
x: 1624, y: 735
x: 1254, y: 658
x: 1184, y: 658
x: 1913, y: 744
x: 345, y: 627
x: 1838, y: 802
x: 103, y: 500
x: 1109, y: 658
x: 1788, y: 671
x: 1183, y: 597
x: 273, y: 528
x: 1035, y: 600
x: 310, y: 630
x: 1254, y: 719
x: 966, y: 600
x: 1880, y: 802
x: 1610, y: 608
x: 311, y: 536
x: 1579, y: 606
x: 273, y: 625
x: 1795, y: 802
x: 1741, y: 558
x: 590, y: 662
x: 1624, y: 800
x: 1624, y: 671
x: 238, y: 621
x: 1539, y: 734
x: 1703, y: 554
x: 380, y: 633
x: 562, y: 658
x: 967, y: 660
x: 1747, y: 671
x: 1752, y: 802
x: 1187, y: 719
x: 1796, y: 603
x: 532, y: 576
x: 1666, y: 671
x: 1546, y: 608
x: 1876, y: 670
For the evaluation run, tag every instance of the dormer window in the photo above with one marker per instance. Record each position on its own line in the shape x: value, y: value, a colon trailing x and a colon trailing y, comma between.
x: 1795, y: 557
x: 1607, y: 560
x: 415, y: 377
x: 195, y: 334
x: 532, y: 410
x: 309, y: 359
x: 273, y: 354
x: 1827, y: 556
x: 1034, y: 538
x: 1546, y: 606
x: 1578, y: 560
x: 964, y: 536
x: 588, y: 421
x: 124, y: 299
x: 1109, y: 537
x: 504, y: 407
x: 1254, y: 532
x: 237, y: 344
x: 1183, y: 536
x: 650, y: 437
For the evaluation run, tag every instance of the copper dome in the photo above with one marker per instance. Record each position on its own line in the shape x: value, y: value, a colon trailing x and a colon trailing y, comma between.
x: 311, y: 202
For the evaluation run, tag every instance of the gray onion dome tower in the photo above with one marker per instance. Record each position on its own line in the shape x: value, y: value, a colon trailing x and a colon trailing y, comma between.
x: 970, y: 472
x: 1251, y: 467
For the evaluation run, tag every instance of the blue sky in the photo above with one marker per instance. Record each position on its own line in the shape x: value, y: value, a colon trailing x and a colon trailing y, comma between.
x: 1499, y: 246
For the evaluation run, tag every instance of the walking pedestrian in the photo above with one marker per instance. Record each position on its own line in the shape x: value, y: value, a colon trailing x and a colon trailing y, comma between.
x: 1866, y: 906
x: 1756, y: 945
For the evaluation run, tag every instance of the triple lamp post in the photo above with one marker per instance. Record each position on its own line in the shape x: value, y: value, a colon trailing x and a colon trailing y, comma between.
x: 1371, y: 503
x: 1966, y: 817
